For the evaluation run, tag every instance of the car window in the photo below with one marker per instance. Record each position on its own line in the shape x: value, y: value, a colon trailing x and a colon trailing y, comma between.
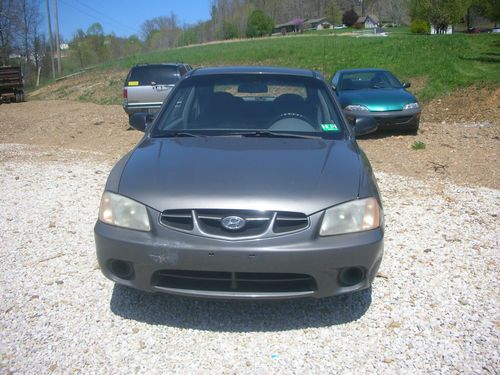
x: 225, y: 104
x: 153, y: 75
x: 368, y: 80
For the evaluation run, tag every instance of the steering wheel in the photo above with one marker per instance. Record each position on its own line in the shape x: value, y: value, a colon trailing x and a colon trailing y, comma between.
x: 290, y: 115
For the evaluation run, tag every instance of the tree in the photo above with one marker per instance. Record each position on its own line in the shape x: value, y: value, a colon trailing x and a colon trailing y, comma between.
x: 97, y: 41
x: 81, y: 48
x: 439, y: 13
x: 161, y: 32
x: 9, y: 18
x: 486, y: 8
x: 259, y: 24
x: 333, y: 13
x: 229, y: 30
x: 29, y: 21
x: 350, y: 17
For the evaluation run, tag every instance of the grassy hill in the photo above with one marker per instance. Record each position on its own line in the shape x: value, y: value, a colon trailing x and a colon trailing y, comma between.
x: 435, y: 65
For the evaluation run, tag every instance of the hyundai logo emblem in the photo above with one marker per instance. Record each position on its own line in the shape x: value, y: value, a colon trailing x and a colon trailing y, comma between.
x: 233, y: 222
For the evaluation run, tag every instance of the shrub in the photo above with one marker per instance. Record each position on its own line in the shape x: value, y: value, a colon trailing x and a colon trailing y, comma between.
x: 229, y: 30
x: 259, y: 24
x: 420, y: 27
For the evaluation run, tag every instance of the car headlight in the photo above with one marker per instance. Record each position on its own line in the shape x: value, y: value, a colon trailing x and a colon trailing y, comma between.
x: 356, y: 107
x: 411, y: 106
x: 354, y: 216
x: 123, y: 212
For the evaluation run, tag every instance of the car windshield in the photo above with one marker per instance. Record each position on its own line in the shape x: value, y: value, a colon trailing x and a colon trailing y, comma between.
x: 154, y: 75
x: 250, y: 105
x: 369, y: 80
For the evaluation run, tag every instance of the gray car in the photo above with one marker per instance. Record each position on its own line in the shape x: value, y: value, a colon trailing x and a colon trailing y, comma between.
x: 248, y: 184
x: 147, y: 86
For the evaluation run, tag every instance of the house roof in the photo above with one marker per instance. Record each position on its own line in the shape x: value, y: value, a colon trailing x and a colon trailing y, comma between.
x: 315, y: 20
x: 370, y: 16
x: 294, y: 22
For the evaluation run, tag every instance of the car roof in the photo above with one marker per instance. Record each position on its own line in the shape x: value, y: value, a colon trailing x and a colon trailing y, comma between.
x: 254, y: 70
x: 158, y: 64
x: 359, y: 70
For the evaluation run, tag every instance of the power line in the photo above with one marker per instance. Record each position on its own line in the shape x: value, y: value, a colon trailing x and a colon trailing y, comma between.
x: 105, y: 16
x: 97, y: 16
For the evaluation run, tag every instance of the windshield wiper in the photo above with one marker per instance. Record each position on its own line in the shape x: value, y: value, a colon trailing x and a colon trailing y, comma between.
x: 176, y: 134
x: 272, y: 134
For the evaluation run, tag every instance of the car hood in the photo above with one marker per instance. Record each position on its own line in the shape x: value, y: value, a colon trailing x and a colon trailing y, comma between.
x: 279, y: 174
x: 377, y: 100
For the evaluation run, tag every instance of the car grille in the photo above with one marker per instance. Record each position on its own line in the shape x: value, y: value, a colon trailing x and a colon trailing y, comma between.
x: 244, y: 282
x: 257, y: 223
x: 388, y: 121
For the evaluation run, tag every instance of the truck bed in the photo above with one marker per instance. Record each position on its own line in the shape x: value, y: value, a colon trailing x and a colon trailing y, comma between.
x: 10, y: 78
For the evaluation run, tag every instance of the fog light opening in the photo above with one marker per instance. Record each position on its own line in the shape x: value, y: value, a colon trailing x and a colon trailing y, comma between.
x: 121, y: 269
x: 351, y: 276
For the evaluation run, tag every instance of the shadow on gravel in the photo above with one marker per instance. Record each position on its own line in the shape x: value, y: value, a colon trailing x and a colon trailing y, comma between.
x: 238, y: 316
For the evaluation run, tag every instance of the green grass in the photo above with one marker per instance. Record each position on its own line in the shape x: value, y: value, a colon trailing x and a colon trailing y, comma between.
x: 436, y: 64
x: 418, y: 145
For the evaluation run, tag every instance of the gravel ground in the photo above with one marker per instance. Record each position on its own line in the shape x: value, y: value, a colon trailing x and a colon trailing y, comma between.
x: 433, y: 308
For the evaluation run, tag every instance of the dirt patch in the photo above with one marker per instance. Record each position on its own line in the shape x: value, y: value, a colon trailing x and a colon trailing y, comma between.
x: 461, y: 133
x: 103, y: 87
x: 70, y: 125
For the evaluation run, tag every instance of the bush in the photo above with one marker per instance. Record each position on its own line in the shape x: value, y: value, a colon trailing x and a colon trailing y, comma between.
x: 229, y: 30
x: 259, y: 24
x: 420, y: 27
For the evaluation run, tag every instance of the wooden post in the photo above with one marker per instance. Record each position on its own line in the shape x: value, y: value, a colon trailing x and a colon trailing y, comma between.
x: 58, y: 42
x: 51, y: 41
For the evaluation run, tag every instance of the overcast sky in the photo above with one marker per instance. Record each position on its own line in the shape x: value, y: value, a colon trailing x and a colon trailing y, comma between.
x: 123, y: 17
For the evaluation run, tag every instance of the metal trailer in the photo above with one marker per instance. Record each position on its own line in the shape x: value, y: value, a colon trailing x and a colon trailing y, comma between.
x: 11, y: 84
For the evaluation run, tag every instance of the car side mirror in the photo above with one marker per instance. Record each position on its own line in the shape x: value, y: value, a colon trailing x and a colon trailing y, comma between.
x: 139, y: 121
x: 406, y: 85
x: 334, y: 88
x: 365, y: 125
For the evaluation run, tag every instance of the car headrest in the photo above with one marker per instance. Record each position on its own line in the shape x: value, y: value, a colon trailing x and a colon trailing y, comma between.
x: 347, y: 84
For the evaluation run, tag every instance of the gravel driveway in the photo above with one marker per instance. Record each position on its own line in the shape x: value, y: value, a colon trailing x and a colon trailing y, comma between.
x: 433, y: 308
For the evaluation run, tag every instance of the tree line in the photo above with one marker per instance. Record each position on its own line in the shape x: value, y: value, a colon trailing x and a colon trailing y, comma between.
x: 23, y: 41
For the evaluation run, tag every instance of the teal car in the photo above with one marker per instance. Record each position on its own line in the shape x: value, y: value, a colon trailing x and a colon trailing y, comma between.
x: 377, y: 93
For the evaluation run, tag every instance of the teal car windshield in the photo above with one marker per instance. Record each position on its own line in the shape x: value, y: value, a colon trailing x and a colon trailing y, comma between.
x: 369, y: 80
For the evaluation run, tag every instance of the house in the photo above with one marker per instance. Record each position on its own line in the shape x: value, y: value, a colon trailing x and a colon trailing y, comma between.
x: 324, y: 26
x: 370, y: 21
x: 315, y: 22
x: 292, y: 26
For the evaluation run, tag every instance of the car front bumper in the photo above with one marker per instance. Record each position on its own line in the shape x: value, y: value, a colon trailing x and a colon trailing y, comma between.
x: 388, y: 120
x: 295, y: 265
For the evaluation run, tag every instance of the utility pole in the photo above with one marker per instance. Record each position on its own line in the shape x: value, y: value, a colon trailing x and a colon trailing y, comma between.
x: 51, y: 41
x: 58, y: 42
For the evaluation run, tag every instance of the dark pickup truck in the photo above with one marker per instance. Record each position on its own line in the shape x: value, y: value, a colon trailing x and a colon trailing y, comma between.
x: 11, y: 84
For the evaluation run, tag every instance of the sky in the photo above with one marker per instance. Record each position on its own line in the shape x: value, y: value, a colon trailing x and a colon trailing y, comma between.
x: 122, y: 17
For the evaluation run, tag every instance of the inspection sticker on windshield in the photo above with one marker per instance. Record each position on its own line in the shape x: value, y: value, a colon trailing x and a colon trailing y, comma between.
x: 330, y: 128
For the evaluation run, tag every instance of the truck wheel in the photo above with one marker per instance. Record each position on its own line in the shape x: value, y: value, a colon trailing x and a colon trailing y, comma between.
x: 19, y: 97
